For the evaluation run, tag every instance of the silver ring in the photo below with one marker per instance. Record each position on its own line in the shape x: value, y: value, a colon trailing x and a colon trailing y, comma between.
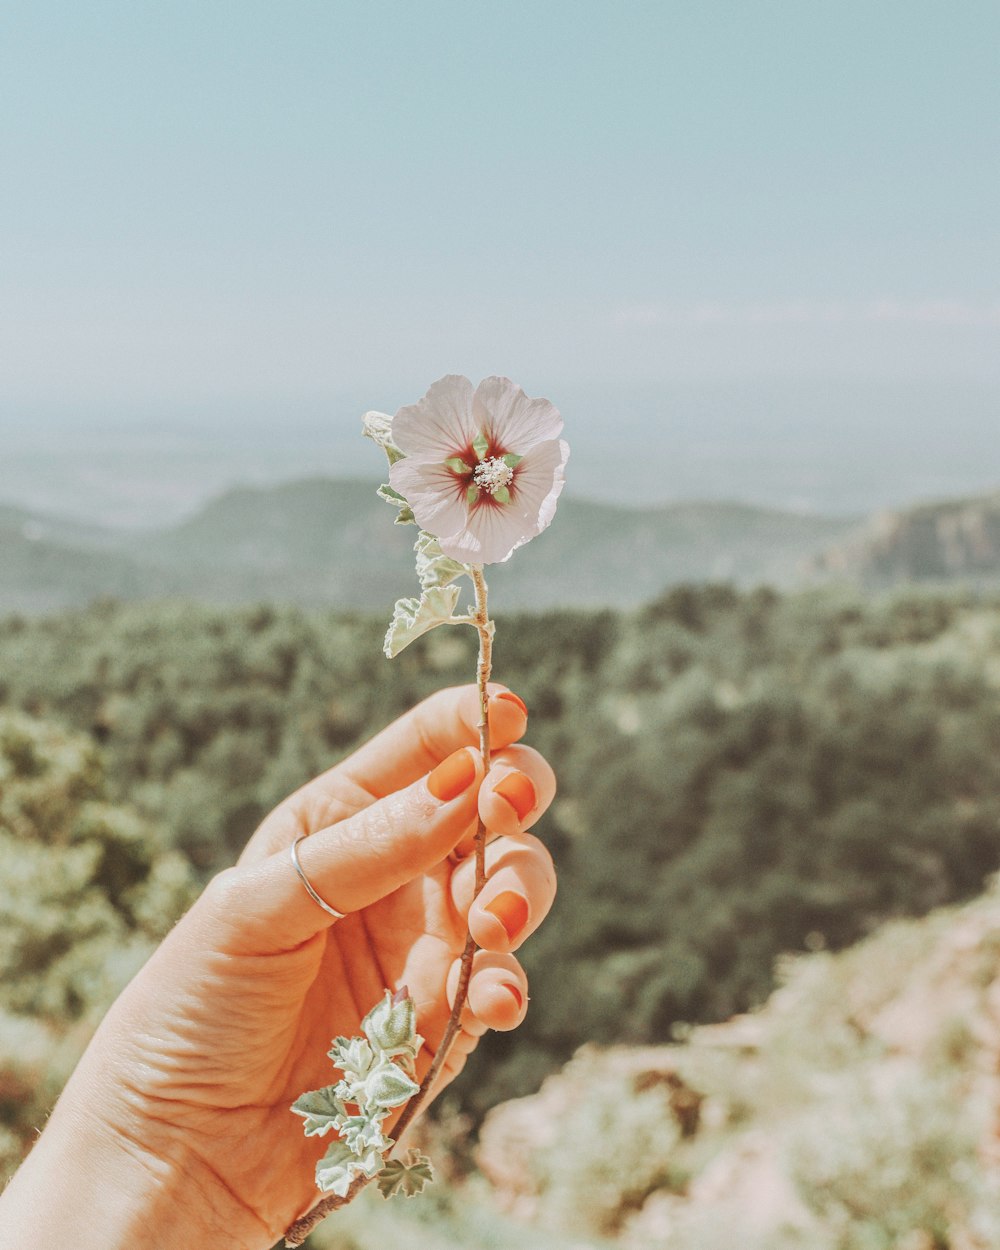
x: 331, y: 911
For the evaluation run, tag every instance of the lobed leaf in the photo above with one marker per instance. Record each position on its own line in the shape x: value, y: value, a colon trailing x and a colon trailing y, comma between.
x: 378, y: 427
x: 413, y: 617
x: 321, y: 1109
x: 434, y: 568
x: 405, y: 515
x: 407, y: 1178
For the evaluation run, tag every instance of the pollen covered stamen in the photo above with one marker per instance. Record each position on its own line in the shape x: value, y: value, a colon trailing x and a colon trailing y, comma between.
x: 493, y: 475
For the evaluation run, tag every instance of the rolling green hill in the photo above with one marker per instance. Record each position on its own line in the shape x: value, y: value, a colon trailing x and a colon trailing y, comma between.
x: 327, y: 543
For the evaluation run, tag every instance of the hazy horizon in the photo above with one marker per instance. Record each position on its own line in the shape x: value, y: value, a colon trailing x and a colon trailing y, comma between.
x: 750, y: 251
x: 864, y: 448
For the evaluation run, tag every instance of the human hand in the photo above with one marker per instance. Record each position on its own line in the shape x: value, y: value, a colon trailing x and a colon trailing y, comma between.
x: 188, y: 1082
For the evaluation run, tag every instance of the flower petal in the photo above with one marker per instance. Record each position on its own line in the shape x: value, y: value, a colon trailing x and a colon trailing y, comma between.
x: 439, y: 425
x: 489, y: 536
x: 435, y: 496
x: 511, y: 419
x: 539, y: 482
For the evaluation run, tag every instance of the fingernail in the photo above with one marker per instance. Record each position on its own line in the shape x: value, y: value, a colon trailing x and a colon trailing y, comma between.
x: 511, y: 909
x: 517, y: 789
x: 514, y: 992
x: 452, y: 775
x: 511, y: 697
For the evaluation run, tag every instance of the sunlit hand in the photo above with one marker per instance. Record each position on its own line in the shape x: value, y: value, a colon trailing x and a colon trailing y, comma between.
x: 188, y: 1082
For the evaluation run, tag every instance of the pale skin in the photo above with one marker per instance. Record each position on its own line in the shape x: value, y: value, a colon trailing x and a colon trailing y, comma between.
x: 174, y: 1131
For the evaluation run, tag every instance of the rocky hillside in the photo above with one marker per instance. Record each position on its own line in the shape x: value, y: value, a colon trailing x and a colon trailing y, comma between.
x: 857, y: 1110
x: 956, y: 541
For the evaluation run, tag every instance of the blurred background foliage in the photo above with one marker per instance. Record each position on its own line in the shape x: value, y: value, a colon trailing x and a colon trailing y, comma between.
x: 89, y: 887
x: 742, y: 775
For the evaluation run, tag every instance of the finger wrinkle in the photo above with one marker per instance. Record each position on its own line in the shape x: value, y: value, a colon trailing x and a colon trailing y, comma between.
x: 345, y: 797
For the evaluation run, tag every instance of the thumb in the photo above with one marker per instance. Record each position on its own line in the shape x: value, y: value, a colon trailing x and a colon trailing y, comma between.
x: 266, y: 907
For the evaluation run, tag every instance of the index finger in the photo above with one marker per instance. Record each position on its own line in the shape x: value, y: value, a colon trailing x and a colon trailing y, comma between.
x: 410, y: 747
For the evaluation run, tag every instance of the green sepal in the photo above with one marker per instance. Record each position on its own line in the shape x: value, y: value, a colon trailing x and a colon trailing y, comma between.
x: 434, y: 568
x: 405, y: 516
x: 471, y: 493
x: 413, y: 617
x: 502, y: 494
x: 511, y: 460
x: 321, y: 1109
x: 458, y: 465
x: 480, y: 445
x: 407, y: 1178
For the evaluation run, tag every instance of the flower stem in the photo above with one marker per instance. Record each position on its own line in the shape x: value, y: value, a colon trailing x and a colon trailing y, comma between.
x: 301, y: 1229
x: 484, y: 627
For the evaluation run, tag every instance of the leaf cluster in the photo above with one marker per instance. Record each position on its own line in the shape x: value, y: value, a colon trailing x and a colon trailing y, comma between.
x: 379, y: 1070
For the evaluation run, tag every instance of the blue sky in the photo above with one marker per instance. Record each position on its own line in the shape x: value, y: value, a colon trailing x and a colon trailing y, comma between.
x: 223, y: 211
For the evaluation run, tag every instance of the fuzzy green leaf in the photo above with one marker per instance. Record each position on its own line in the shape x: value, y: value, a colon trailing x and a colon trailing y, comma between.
x: 407, y: 1178
x: 378, y: 427
x: 502, y: 494
x: 458, y: 465
x: 471, y: 493
x: 336, y: 1170
x: 405, y: 516
x: 352, y: 1055
x: 511, y: 460
x: 413, y: 617
x: 321, y: 1109
x: 339, y: 1167
x: 388, y: 1086
x: 434, y: 568
x: 389, y: 1023
x: 480, y: 445
x: 364, y: 1132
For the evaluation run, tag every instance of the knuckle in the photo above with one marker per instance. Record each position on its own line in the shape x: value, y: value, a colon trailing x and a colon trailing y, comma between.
x: 223, y: 891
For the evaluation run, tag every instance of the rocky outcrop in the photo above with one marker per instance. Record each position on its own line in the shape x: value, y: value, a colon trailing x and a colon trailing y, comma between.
x: 944, y: 542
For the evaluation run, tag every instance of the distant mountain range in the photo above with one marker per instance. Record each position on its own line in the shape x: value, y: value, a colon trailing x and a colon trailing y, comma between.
x: 321, y: 542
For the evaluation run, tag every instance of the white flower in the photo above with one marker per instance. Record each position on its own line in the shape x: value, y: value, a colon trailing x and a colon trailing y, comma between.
x: 481, y: 469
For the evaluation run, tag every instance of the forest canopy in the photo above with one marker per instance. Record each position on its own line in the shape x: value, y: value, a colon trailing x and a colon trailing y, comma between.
x: 741, y: 774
